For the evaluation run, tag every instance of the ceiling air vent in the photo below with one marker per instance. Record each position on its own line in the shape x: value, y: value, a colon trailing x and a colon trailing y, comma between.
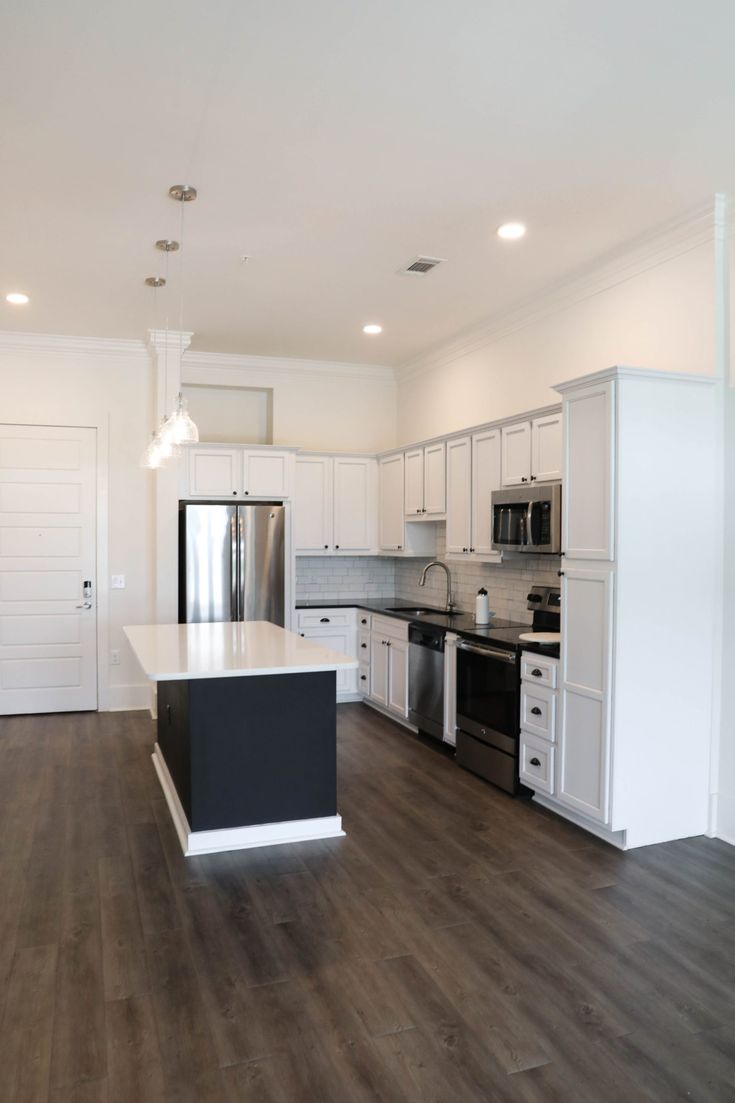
x: 421, y: 266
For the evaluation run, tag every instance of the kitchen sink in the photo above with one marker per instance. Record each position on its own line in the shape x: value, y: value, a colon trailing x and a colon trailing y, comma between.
x: 421, y: 611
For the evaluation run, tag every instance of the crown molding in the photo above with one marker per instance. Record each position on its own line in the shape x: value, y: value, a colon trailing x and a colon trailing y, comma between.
x: 175, y: 339
x: 285, y: 365
x: 624, y: 371
x: 656, y: 247
x: 17, y: 341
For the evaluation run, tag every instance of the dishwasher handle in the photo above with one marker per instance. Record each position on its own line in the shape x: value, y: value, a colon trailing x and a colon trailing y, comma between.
x: 487, y: 652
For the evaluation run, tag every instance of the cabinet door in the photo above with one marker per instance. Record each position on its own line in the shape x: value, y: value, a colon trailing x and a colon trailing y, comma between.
x: 390, y: 507
x: 485, y: 479
x: 398, y: 676
x: 341, y: 640
x: 435, y: 478
x: 265, y: 474
x: 312, y: 506
x: 584, y: 737
x: 214, y: 472
x: 413, y: 474
x: 589, y: 466
x: 546, y: 448
x: 459, y: 491
x: 516, y: 454
x: 379, y: 668
x: 354, y: 504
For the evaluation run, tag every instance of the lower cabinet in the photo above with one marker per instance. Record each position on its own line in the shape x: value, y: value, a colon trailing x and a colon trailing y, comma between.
x: 537, y: 757
x: 336, y: 629
x: 389, y: 664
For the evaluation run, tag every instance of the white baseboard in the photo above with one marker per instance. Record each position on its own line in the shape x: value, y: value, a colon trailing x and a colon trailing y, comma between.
x: 390, y: 715
x: 615, y: 838
x: 239, y: 838
x: 725, y: 826
x: 128, y: 698
x: 345, y: 698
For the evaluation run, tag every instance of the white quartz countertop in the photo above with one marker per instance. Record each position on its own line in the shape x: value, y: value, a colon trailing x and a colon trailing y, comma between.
x: 169, y: 652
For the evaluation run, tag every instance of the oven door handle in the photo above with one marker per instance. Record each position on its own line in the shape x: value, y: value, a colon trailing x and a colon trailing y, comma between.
x: 487, y: 652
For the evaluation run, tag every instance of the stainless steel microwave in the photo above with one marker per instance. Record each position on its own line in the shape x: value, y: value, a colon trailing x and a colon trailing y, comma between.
x: 527, y: 519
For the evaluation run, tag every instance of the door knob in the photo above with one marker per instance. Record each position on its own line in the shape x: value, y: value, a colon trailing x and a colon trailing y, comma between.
x: 85, y: 605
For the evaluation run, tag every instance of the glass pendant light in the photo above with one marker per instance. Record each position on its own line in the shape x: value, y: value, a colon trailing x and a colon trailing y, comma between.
x: 183, y: 429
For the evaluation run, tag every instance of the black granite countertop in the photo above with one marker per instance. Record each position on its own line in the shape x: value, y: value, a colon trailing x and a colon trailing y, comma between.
x: 500, y: 633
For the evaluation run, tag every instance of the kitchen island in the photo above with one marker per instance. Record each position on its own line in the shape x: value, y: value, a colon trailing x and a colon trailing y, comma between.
x: 246, y: 732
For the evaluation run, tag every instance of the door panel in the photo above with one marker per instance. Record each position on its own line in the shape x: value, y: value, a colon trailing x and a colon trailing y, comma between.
x: 435, y: 478
x: 211, y: 564
x: 546, y: 448
x: 398, y: 677
x: 459, y: 490
x: 588, y: 504
x: 379, y: 669
x: 391, y: 503
x: 354, y: 504
x: 312, y: 507
x: 265, y: 474
x: 414, y: 482
x: 261, y: 563
x: 48, y: 640
x: 517, y: 454
x: 485, y: 479
x: 214, y: 473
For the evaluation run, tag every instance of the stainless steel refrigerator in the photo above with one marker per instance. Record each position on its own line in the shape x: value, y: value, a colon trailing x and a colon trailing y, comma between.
x: 231, y: 563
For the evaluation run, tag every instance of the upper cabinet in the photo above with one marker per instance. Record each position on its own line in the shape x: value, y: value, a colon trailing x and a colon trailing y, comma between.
x: 473, y: 473
x: 588, y: 507
x: 215, y: 472
x: 425, y: 481
x: 335, y: 505
x: 532, y: 450
x: 398, y: 532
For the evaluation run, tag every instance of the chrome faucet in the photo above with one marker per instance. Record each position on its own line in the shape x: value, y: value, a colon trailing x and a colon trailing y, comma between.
x: 444, y: 567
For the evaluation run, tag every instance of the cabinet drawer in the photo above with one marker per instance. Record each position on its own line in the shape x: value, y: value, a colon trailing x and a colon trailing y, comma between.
x: 538, y: 670
x: 326, y: 618
x: 390, y: 626
x: 363, y: 646
x: 536, y: 763
x: 538, y: 711
x: 363, y: 679
x: 364, y: 620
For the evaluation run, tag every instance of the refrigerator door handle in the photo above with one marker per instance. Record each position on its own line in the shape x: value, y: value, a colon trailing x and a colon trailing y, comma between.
x: 234, y: 574
x: 240, y: 564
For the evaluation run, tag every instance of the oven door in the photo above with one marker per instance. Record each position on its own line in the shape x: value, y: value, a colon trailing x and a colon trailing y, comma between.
x: 488, y: 694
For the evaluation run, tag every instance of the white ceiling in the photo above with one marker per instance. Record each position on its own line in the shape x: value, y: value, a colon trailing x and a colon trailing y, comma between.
x: 333, y: 141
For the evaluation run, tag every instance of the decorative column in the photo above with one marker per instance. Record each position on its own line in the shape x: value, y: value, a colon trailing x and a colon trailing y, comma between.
x: 166, y: 349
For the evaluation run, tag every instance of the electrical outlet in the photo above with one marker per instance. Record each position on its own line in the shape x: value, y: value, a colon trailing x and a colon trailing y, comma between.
x: 114, y: 658
x: 118, y: 582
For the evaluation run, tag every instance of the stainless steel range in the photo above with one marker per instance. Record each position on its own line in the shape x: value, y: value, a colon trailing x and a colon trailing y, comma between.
x: 488, y: 692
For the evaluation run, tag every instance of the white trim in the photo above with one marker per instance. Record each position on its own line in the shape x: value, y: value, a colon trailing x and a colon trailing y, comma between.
x: 674, y: 238
x: 624, y: 371
x: 389, y: 715
x: 724, y: 838
x: 470, y: 430
x: 128, y: 698
x: 615, y: 838
x: 12, y: 341
x: 239, y: 838
x: 281, y: 365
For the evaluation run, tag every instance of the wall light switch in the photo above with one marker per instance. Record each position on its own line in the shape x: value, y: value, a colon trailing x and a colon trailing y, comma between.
x: 114, y: 658
x: 118, y: 582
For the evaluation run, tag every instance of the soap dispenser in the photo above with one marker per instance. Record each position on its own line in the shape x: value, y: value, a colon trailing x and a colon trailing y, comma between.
x: 482, y: 607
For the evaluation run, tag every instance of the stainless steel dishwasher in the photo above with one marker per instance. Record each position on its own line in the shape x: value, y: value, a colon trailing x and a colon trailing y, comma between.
x: 426, y: 679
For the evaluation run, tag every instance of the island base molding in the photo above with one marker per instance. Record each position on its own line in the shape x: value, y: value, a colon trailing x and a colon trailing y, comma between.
x: 238, y: 838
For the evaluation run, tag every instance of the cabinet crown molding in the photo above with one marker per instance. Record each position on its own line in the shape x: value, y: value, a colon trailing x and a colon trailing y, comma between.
x: 624, y: 372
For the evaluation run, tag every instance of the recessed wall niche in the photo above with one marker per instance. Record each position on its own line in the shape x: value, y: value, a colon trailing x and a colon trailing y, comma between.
x: 231, y: 415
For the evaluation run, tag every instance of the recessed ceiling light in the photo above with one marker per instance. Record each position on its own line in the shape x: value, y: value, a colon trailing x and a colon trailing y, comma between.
x: 17, y: 298
x: 373, y: 328
x: 511, y: 231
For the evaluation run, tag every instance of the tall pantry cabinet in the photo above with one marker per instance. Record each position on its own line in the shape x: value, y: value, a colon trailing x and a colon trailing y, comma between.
x: 639, y: 532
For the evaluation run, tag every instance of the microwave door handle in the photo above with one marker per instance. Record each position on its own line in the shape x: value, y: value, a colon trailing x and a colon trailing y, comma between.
x: 529, y: 525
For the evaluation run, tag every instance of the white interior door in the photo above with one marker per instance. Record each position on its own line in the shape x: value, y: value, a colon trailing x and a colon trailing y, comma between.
x: 48, y: 625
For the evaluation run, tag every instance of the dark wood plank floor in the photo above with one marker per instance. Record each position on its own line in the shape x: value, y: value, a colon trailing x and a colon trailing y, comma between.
x: 456, y: 947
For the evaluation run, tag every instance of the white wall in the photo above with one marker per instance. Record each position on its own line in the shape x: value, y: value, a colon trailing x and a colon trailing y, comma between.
x: 661, y: 318
x: 111, y: 391
x: 315, y: 406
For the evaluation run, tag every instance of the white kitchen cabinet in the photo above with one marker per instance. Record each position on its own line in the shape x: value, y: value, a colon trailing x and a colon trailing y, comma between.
x: 486, y: 477
x: 532, y: 451
x: 334, y: 505
x: 398, y: 676
x: 588, y: 504
x: 459, y: 495
x: 336, y: 629
x: 536, y: 763
x: 435, y: 478
x: 516, y: 453
x: 413, y: 475
x: 389, y: 665
x: 632, y: 758
x: 214, y: 472
x: 312, y: 505
x: 354, y: 504
x: 450, y: 689
x: 425, y: 486
x: 546, y: 448
x: 587, y: 625
x: 391, y: 516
